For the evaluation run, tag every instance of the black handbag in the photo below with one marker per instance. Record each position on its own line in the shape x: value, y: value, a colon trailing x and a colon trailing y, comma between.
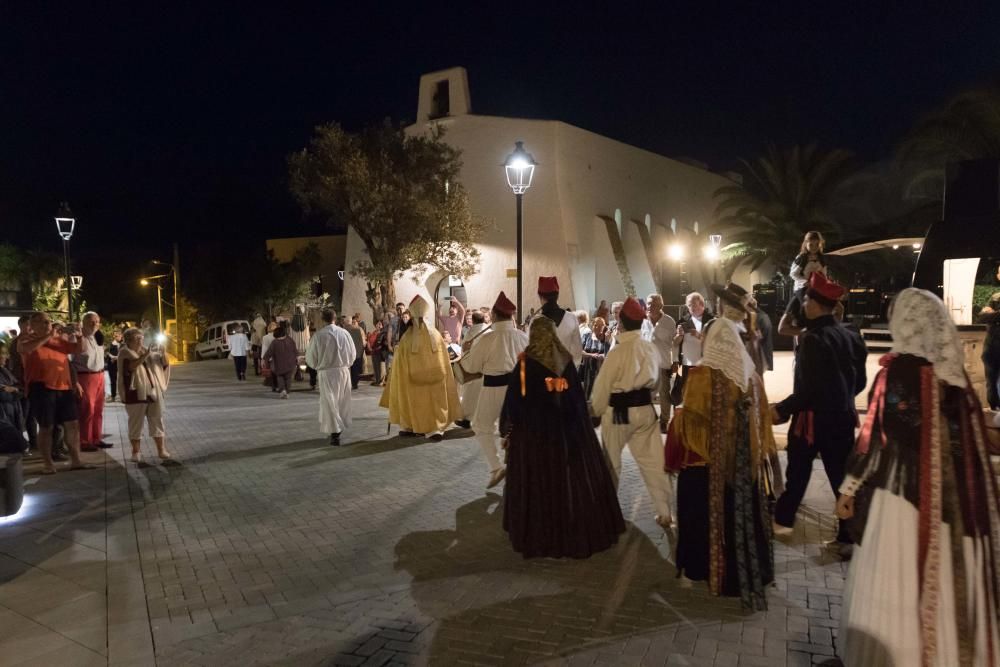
x: 677, y: 391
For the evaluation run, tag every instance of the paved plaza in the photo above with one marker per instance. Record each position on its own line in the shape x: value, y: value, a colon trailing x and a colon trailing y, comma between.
x: 260, y: 544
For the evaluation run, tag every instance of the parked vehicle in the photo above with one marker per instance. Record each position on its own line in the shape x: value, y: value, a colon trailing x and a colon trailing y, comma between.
x: 214, y: 342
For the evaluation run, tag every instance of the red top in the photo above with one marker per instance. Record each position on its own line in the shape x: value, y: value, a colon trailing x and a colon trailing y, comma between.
x: 49, y: 364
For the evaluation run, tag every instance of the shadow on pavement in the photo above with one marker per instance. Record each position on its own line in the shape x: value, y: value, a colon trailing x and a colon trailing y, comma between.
x: 488, y: 600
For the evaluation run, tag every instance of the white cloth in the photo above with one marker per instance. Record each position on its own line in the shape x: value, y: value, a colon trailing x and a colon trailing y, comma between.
x: 331, y: 352
x: 642, y: 436
x: 150, y: 379
x: 239, y: 344
x: 495, y: 353
x: 662, y: 336
x: 91, y: 359
x: 259, y: 326
x: 469, y: 392
x: 265, y: 343
x: 880, y: 617
x: 632, y: 364
x: 725, y: 351
x: 920, y: 325
x: 691, y: 349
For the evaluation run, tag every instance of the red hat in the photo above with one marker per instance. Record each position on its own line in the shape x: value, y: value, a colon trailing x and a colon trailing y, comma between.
x: 633, y: 309
x: 503, y: 305
x: 823, y: 290
x: 547, y: 284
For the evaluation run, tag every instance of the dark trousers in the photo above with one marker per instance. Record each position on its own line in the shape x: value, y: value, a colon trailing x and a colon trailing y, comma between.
x: 255, y: 353
x: 312, y: 377
x: 283, y: 381
x: 356, y: 368
x: 241, y: 367
x: 113, y: 376
x: 833, y: 440
x: 377, y: 367
x: 30, y: 423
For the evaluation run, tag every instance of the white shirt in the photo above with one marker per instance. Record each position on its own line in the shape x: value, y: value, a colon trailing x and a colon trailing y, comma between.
x: 265, y: 342
x: 634, y: 363
x: 91, y: 358
x: 331, y: 347
x: 692, y: 344
x: 496, y: 353
x: 662, y: 335
x: 238, y: 344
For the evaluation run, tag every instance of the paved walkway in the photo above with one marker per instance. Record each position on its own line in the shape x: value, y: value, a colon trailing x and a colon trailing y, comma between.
x: 260, y: 544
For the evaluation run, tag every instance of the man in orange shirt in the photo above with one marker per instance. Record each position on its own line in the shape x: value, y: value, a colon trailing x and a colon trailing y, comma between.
x: 50, y: 392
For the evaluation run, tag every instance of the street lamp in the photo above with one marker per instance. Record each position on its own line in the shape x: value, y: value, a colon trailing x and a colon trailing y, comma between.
x: 145, y: 282
x: 66, y: 225
x: 173, y: 272
x: 520, y: 168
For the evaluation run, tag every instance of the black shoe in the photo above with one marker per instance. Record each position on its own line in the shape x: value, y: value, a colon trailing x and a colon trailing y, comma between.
x: 58, y: 456
x: 105, y: 445
x: 335, y: 439
x: 354, y: 387
x: 407, y: 434
x: 463, y: 423
x: 437, y: 437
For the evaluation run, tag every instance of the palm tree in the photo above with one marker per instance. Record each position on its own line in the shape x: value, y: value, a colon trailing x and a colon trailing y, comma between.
x: 965, y: 128
x: 785, y: 194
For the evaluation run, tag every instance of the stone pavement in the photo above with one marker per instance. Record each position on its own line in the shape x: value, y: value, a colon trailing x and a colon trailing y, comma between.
x: 260, y: 544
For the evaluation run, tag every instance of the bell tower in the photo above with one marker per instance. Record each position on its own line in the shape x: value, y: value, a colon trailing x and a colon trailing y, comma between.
x: 443, y: 94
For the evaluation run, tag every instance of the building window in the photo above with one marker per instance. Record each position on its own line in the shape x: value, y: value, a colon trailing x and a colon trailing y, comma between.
x: 441, y: 102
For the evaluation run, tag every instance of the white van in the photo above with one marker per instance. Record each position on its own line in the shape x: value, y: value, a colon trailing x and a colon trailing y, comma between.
x: 214, y: 342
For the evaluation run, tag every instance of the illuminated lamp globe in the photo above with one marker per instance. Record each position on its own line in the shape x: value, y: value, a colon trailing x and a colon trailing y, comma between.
x: 520, y: 167
x: 675, y: 252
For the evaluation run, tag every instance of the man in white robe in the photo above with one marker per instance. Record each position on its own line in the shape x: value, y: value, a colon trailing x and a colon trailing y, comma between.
x: 567, y: 326
x: 331, y: 352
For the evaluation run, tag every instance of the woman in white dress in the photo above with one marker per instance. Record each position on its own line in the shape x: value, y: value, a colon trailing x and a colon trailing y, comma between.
x: 924, y: 584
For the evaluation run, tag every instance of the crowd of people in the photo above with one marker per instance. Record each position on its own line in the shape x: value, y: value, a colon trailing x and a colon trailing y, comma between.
x: 916, y: 499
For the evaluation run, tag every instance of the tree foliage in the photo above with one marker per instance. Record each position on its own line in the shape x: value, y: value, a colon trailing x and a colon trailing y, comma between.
x: 784, y: 194
x: 230, y: 282
x: 964, y: 128
x: 399, y: 193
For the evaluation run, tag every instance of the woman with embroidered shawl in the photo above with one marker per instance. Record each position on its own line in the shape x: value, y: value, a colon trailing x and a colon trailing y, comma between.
x: 720, y: 444
x: 560, y: 500
x: 422, y: 396
x: 924, y: 586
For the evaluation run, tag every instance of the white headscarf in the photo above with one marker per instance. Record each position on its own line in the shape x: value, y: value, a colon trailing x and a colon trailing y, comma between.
x: 724, y: 351
x: 920, y: 325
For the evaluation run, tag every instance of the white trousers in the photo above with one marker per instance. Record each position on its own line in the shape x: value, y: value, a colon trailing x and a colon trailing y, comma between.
x: 484, y: 422
x: 470, y: 397
x: 642, y: 436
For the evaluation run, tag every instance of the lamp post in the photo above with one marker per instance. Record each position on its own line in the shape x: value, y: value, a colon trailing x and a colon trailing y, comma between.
x: 145, y: 282
x: 173, y: 272
x: 519, y: 167
x: 66, y: 224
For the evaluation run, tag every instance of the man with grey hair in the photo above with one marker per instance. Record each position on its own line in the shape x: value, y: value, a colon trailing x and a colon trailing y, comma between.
x: 659, y: 329
x: 89, y: 367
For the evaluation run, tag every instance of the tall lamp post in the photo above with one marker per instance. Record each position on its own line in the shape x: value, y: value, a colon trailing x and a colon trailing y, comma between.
x: 173, y: 272
x: 145, y: 282
x: 713, y: 252
x: 520, y: 167
x: 66, y: 224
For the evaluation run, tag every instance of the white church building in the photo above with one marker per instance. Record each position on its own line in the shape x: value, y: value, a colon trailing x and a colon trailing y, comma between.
x: 600, y: 215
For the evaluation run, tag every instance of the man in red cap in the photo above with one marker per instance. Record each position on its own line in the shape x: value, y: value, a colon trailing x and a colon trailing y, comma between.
x: 829, y: 373
x: 567, y: 327
x: 622, y: 397
x: 495, y: 356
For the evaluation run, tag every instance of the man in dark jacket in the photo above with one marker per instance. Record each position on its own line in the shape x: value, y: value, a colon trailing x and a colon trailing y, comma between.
x: 829, y: 373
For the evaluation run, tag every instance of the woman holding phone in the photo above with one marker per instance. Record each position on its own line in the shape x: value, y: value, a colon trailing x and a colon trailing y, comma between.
x: 142, y: 382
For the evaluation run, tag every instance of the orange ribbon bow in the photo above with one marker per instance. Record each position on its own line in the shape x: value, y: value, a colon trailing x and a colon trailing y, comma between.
x: 556, y: 384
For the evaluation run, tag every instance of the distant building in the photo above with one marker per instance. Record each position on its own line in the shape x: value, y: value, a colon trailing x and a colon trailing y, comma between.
x: 600, y: 214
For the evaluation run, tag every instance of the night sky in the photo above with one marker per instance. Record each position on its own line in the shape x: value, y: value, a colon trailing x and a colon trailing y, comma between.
x: 172, y: 121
